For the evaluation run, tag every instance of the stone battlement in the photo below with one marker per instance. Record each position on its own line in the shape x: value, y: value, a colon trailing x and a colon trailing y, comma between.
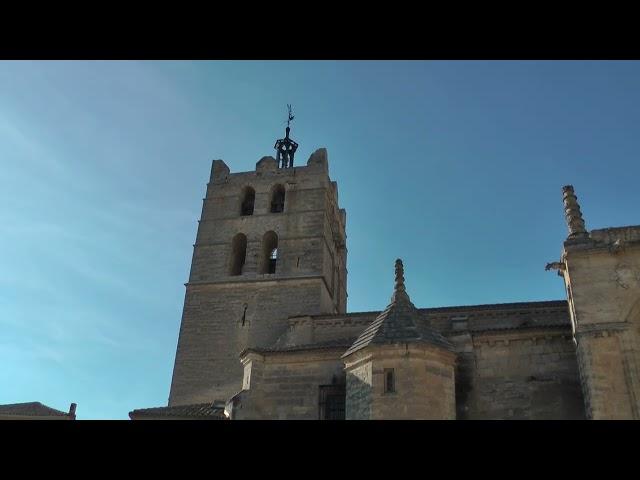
x: 318, y: 162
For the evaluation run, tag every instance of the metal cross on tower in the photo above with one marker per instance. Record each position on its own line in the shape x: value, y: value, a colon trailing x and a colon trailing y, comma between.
x: 286, y: 147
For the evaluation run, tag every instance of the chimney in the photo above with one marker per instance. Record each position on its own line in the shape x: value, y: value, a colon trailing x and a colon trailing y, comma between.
x: 72, y: 411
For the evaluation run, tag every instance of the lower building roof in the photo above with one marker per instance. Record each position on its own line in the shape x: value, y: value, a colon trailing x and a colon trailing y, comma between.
x: 204, y: 411
x: 31, y: 409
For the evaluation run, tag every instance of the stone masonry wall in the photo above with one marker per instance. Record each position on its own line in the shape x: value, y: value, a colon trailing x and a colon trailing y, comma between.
x: 515, y: 360
x: 212, y: 333
x: 528, y: 371
x: 286, y: 386
x: 325, y: 329
x: 520, y: 375
x: 608, y: 394
x: 424, y: 386
x: 341, y: 326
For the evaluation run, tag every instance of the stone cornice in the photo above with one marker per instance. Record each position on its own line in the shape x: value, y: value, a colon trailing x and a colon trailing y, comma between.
x: 600, y: 329
x: 504, y: 338
x: 550, y: 306
x: 277, y: 215
x: 272, y: 277
x: 293, y: 355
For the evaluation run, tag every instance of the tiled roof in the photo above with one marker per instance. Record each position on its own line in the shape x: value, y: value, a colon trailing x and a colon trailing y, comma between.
x: 399, y: 323
x: 31, y: 409
x: 208, y: 411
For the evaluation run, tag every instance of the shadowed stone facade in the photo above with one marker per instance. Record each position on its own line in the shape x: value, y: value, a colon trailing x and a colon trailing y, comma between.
x: 265, y: 329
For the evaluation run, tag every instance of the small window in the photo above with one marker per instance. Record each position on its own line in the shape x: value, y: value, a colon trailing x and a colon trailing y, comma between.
x: 248, y: 200
x: 389, y: 380
x: 277, y: 199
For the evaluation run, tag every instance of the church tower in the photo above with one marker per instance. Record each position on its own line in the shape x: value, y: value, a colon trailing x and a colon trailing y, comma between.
x: 271, y: 244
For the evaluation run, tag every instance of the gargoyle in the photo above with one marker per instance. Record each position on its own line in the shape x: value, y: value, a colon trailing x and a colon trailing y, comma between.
x: 555, y: 266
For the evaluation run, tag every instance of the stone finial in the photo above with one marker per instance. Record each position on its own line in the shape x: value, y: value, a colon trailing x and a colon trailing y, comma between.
x: 572, y: 213
x: 399, y: 290
x: 399, y: 275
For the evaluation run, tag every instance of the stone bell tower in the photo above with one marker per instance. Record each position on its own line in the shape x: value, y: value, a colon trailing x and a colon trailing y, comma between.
x: 271, y: 244
x: 601, y: 271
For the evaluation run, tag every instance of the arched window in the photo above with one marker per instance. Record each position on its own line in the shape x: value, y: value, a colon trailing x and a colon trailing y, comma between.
x: 277, y: 199
x: 238, y: 254
x: 248, y: 199
x: 269, y: 253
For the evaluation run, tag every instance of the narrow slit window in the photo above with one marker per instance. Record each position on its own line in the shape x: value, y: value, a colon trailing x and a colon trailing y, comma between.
x: 244, y: 314
x: 389, y: 380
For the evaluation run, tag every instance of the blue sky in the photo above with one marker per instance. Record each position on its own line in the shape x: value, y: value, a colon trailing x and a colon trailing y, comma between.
x: 456, y: 167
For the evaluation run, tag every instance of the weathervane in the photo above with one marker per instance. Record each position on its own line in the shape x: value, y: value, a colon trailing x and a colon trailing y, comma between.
x: 291, y: 117
x: 285, y: 147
